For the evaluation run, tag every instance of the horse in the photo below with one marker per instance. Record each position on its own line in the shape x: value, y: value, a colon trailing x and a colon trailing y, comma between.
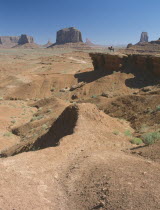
x: 111, y: 49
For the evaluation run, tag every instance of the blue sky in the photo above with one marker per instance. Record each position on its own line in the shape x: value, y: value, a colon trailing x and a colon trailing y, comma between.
x: 102, y: 21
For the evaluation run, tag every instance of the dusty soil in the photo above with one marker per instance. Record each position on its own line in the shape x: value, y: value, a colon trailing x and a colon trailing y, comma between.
x: 64, y: 140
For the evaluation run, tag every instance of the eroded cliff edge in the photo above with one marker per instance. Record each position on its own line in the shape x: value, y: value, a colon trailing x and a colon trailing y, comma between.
x: 134, y: 63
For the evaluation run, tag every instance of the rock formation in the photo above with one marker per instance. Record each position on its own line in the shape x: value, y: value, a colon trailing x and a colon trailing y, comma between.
x: 25, y: 39
x: 68, y: 35
x: 48, y: 44
x: 144, y: 37
x: 88, y: 42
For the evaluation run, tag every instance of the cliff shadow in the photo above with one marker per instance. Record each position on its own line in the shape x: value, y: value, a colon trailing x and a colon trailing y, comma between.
x: 141, y: 80
x: 90, y: 76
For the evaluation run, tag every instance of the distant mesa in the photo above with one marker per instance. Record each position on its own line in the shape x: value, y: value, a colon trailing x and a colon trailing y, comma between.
x: 8, y: 41
x: 12, y: 41
x: 69, y: 38
x: 68, y: 35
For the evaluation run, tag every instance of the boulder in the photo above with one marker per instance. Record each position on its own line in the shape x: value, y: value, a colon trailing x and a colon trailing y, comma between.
x: 68, y: 35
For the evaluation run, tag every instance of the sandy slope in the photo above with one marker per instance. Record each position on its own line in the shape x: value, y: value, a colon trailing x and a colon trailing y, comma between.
x: 87, y: 170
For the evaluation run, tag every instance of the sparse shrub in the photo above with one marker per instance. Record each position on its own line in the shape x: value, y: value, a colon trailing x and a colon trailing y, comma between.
x: 36, y: 118
x: 49, y: 110
x: 158, y: 108
x: 149, y: 110
x: 8, y: 134
x: 115, y: 132
x: 44, y: 127
x: 136, y: 141
x: 13, y: 121
x: 151, y: 138
x: 1, y: 98
x: 128, y: 133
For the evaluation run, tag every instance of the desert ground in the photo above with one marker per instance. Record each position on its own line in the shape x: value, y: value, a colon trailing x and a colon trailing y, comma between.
x: 68, y: 134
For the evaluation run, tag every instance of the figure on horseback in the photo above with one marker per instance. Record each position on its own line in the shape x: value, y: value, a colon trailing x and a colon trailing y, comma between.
x: 111, y: 48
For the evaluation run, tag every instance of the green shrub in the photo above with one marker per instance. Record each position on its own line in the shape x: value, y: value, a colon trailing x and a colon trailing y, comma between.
x: 151, y: 138
x: 136, y: 141
x: 128, y: 133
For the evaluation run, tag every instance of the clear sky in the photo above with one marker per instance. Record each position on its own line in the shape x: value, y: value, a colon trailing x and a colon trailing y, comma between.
x: 102, y: 21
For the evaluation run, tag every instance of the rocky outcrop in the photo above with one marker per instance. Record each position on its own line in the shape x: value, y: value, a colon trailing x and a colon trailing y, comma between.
x: 68, y: 35
x: 144, y: 37
x: 107, y: 63
x: 24, y: 39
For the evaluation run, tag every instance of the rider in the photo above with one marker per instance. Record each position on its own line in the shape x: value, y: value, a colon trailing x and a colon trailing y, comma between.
x: 112, y: 48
